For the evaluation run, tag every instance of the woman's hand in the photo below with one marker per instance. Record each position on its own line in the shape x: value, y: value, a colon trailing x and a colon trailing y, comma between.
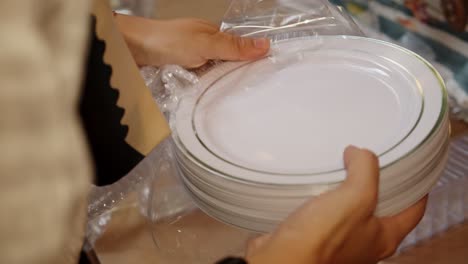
x: 339, y: 227
x: 186, y: 42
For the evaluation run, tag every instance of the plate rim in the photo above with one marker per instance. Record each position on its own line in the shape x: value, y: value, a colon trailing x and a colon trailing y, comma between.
x: 443, y: 109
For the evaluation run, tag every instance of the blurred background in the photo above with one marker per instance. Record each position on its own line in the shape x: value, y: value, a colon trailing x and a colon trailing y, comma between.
x: 212, y: 10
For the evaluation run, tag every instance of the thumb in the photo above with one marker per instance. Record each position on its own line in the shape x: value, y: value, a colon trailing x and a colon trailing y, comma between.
x: 325, y: 221
x: 225, y: 46
x: 362, y: 182
x: 353, y: 200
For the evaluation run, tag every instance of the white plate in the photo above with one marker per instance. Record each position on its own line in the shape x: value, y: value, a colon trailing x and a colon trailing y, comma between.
x: 264, y: 217
x: 279, y: 120
x: 262, y: 208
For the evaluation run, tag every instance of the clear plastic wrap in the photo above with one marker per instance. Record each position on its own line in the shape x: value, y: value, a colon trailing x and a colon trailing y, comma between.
x: 182, y: 232
x: 166, y: 84
x: 285, y: 19
x: 177, y: 224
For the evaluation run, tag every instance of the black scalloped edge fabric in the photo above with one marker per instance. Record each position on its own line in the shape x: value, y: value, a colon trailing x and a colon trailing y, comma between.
x: 101, y: 118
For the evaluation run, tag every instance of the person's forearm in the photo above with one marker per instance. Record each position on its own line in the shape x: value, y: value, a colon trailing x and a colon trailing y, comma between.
x: 186, y: 42
x: 136, y: 36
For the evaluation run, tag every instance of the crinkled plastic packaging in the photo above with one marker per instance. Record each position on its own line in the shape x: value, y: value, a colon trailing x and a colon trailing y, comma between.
x: 177, y: 224
x: 182, y: 232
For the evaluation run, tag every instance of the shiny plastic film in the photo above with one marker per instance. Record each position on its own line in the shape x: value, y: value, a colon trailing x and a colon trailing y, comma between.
x: 279, y: 19
x: 177, y: 223
x: 168, y: 84
x: 199, y: 213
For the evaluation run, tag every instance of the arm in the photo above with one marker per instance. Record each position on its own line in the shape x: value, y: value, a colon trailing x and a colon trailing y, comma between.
x: 186, y: 42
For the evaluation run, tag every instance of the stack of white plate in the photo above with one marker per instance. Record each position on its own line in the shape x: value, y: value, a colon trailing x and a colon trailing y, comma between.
x: 260, y: 138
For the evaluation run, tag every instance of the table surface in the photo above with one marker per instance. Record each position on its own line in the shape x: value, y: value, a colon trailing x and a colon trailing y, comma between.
x: 128, y: 238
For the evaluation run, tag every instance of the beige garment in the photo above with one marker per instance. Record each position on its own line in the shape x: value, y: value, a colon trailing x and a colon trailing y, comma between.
x: 44, y: 167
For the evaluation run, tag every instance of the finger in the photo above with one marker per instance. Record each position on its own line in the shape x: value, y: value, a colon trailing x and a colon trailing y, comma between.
x: 225, y: 46
x: 325, y: 222
x: 401, y: 224
x: 350, y: 202
x: 341, y: 209
x: 396, y: 228
x: 362, y: 181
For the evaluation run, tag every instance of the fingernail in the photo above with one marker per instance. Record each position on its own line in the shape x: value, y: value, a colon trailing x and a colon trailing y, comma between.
x: 261, y: 43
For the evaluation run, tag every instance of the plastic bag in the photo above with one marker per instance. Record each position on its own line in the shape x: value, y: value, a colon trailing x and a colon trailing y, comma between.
x: 165, y: 83
x: 177, y: 224
x: 279, y: 19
